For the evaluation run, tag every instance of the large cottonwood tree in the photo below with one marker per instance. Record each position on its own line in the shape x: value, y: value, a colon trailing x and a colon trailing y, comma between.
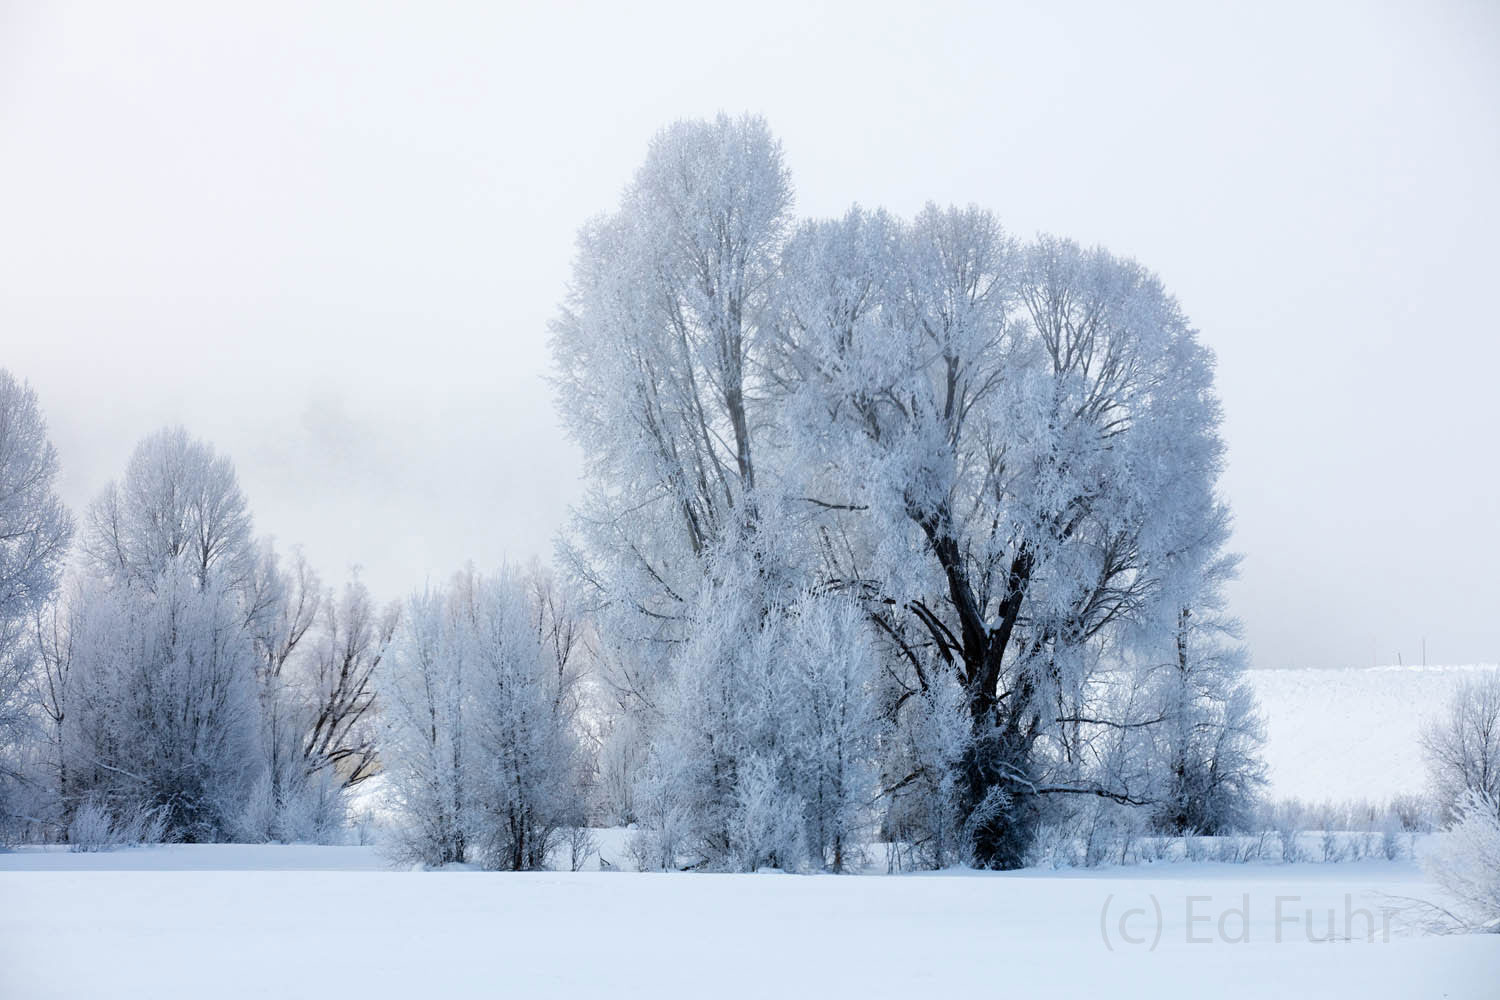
x: 1006, y: 453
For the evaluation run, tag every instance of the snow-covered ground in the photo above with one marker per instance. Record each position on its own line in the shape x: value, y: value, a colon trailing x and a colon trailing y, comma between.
x: 241, y: 921
x: 1343, y: 734
x: 69, y: 931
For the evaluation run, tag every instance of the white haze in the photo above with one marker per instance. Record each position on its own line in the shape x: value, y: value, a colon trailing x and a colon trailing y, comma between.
x: 330, y: 241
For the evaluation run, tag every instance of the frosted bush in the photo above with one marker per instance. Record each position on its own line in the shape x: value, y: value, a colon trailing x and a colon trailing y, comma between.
x: 316, y: 812
x: 1238, y: 850
x: 300, y: 808
x: 1111, y: 833
x: 95, y: 828
x: 660, y: 841
x: 1466, y: 863
x: 92, y: 829
x: 1287, y: 820
x: 1055, y: 846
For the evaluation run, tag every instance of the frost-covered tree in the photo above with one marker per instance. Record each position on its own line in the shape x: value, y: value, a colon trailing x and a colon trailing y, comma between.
x: 1204, y: 754
x: 481, y: 687
x: 35, y: 529
x: 835, y: 727
x: 162, y: 713
x: 179, y: 503
x: 178, y: 520
x: 147, y: 675
x: 523, y: 696
x: 717, y: 785
x: 421, y: 683
x: 55, y: 628
x: 318, y: 657
x: 658, y: 357
x: 1032, y: 432
x: 619, y: 754
x: 338, y: 688
x: 1006, y: 454
x: 1463, y: 744
x: 1212, y: 735
x: 1466, y: 862
x: 293, y: 599
x: 289, y: 599
x: 766, y: 752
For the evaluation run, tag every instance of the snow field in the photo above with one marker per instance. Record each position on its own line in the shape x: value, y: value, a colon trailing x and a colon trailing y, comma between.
x: 402, y: 935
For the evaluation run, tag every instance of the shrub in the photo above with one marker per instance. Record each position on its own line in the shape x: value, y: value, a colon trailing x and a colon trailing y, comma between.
x: 1466, y: 863
x: 95, y: 828
x: 1287, y: 819
x: 1390, y: 841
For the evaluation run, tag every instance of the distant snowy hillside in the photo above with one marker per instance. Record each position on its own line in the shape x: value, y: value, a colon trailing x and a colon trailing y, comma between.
x: 1352, y: 733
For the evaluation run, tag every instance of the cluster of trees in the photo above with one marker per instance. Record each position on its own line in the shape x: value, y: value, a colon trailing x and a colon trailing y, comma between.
x: 900, y: 531
x: 965, y: 487
x: 188, y: 685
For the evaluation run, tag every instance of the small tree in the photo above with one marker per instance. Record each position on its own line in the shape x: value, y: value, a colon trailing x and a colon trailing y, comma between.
x: 766, y: 751
x: 1211, y: 734
x: 285, y: 607
x: 480, y: 690
x: 522, y: 700
x: 162, y: 708
x: 421, y: 682
x: 1463, y: 745
x: 836, y: 725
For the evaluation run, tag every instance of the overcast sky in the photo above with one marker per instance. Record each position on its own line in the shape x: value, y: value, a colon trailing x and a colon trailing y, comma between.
x: 329, y: 241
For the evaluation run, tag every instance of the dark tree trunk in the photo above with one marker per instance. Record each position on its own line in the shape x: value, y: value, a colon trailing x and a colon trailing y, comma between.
x: 999, y: 796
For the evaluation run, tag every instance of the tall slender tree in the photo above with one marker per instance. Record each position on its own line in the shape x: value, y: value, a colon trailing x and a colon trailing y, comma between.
x: 35, y: 529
